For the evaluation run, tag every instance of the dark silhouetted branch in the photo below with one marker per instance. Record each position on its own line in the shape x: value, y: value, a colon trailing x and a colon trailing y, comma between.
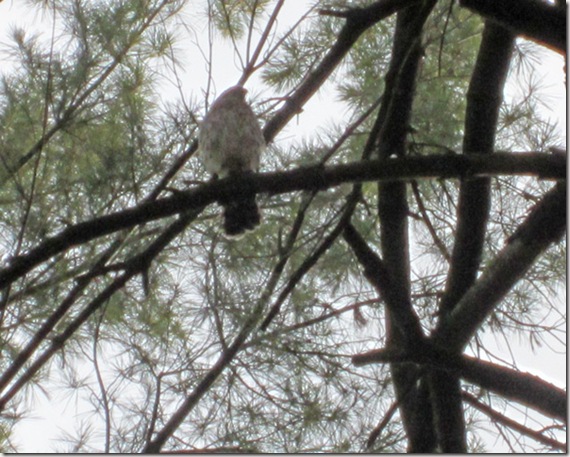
x: 523, y: 388
x: 545, y: 225
x: 358, y: 20
x: 303, y: 178
x: 508, y: 422
x: 534, y: 19
x: 484, y: 98
x: 378, y: 275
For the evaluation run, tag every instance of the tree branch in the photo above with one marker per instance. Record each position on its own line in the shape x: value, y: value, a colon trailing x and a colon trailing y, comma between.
x: 309, y: 263
x: 537, y: 20
x: 544, y: 225
x: 508, y: 422
x: 68, y: 114
x: 136, y: 265
x: 208, y: 380
x: 379, y: 276
x: 358, y: 20
x: 274, y: 183
x: 484, y: 98
x: 523, y: 388
x: 394, y: 118
x: 285, y: 254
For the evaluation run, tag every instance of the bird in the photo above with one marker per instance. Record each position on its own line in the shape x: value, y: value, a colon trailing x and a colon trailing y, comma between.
x: 231, y: 143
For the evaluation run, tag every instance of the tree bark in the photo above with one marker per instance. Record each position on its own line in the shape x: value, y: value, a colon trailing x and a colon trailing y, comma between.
x: 533, y: 19
x: 484, y: 98
x: 524, y: 388
x: 274, y: 183
x: 545, y: 225
x: 395, y: 114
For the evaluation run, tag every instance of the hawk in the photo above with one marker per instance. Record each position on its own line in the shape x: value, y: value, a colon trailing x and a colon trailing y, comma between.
x: 231, y: 143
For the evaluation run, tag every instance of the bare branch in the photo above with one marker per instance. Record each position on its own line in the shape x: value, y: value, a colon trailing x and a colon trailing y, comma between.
x: 427, y: 221
x: 523, y: 388
x: 251, y: 64
x: 508, y: 422
x: 483, y: 100
x: 135, y: 266
x: 543, y: 226
x: 358, y: 21
x: 302, y: 178
x: 379, y: 276
x: 537, y: 20
x: 310, y: 261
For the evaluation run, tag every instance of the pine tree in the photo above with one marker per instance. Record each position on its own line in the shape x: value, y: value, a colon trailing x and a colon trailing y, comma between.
x: 413, y: 215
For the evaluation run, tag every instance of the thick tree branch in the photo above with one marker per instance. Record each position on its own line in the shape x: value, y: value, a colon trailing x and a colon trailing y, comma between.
x: 534, y: 19
x: 395, y: 115
x: 447, y: 411
x: 545, y: 225
x: 521, y: 387
x: 484, y: 98
x: 303, y: 178
x: 379, y: 276
x: 358, y: 20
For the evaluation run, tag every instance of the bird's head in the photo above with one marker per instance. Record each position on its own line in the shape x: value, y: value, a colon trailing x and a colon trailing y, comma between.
x: 234, y: 93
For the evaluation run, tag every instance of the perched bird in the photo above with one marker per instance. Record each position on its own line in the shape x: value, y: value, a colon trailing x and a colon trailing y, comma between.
x: 231, y: 143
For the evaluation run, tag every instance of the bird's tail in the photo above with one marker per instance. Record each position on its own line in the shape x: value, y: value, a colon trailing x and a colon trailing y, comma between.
x: 241, y: 214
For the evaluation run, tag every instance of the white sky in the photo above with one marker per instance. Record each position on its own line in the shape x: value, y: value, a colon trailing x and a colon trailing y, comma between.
x: 50, y: 417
